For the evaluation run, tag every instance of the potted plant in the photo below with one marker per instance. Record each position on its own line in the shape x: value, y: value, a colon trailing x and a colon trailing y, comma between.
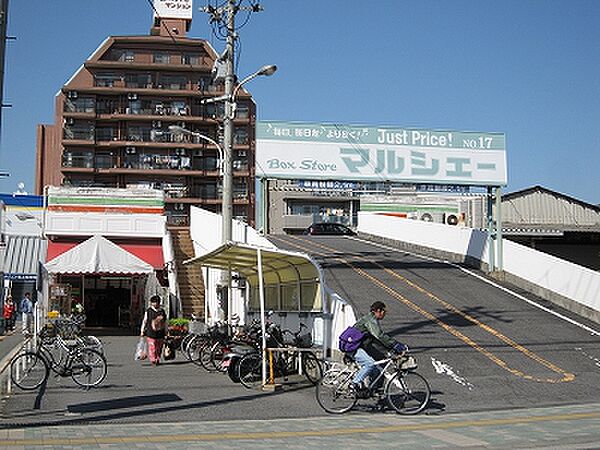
x: 178, y: 326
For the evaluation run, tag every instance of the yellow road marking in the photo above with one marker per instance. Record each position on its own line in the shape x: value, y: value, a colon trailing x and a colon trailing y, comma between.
x: 566, y: 376
x: 259, y: 435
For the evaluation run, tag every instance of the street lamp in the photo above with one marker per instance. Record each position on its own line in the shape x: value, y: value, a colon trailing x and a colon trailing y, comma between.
x: 230, y: 105
x: 177, y: 130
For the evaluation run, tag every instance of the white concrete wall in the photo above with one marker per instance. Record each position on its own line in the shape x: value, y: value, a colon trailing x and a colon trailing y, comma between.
x: 105, y: 224
x: 206, y: 230
x: 577, y: 283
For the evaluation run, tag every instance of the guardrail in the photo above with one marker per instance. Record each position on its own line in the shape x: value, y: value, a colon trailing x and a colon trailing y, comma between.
x: 569, y: 285
x: 5, y: 381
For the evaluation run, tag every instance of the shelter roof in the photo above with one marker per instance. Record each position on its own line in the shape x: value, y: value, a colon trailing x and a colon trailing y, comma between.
x: 279, y: 266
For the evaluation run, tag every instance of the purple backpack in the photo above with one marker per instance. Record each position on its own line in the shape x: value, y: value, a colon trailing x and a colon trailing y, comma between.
x: 350, y: 339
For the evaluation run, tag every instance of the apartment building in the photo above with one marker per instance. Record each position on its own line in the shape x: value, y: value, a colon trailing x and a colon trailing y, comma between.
x: 112, y: 122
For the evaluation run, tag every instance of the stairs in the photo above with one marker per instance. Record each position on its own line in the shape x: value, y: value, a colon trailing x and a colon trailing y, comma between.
x: 189, y: 277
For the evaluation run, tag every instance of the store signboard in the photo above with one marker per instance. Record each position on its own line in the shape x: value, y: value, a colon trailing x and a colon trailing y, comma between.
x: 365, y: 153
x: 173, y: 9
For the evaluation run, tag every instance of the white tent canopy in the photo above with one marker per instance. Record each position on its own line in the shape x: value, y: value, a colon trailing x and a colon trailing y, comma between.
x: 98, y: 255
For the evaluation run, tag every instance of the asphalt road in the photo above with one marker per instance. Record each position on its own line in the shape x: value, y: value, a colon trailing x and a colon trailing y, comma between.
x: 480, y: 347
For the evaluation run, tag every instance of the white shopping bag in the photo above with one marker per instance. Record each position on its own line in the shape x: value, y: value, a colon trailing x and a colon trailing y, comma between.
x: 141, y: 350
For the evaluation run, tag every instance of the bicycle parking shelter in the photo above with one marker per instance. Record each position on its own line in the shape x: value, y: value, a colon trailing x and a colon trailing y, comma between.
x: 266, y: 266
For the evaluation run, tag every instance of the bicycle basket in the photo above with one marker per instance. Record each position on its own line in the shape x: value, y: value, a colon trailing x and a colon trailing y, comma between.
x: 407, y: 363
x: 304, y: 341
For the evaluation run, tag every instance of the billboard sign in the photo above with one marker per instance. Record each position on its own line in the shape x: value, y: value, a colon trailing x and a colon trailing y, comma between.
x: 173, y: 9
x: 294, y: 150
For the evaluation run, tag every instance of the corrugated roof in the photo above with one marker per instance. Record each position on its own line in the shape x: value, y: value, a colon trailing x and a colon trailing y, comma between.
x: 538, y: 206
x: 22, y: 256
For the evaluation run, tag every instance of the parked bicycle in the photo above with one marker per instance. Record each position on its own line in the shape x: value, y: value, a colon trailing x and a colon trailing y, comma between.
x: 398, y: 384
x: 291, y: 357
x: 31, y: 368
x: 70, y: 330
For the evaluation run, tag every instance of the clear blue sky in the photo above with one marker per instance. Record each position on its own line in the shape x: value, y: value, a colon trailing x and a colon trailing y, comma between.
x: 527, y: 68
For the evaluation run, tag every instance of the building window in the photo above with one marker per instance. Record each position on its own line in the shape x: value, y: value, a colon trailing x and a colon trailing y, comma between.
x: 161, y: 58
x: 78, y: 130
x: 85, y: 105
x: 105, y: 160
x: 107, y: 106
x: 177, y: 82
x: 242, y: 111
x: 240, y: 188
x: 192, y: 58
x: 105, y: 79
x: 104, y: 134
x: 138, y: 133
x: 240, y: 136
x: 75, y: 158
x: 138, y: 80
x: 128, y: 56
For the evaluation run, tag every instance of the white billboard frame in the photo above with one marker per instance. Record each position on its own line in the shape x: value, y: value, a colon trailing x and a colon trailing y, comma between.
x: 288, y: 150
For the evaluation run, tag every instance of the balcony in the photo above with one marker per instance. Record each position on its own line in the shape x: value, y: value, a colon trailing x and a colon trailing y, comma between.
x: 74, y: 134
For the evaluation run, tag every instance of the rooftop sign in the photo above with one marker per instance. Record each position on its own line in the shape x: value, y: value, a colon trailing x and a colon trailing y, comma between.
x: 173, y: 9
x: 366, y: 153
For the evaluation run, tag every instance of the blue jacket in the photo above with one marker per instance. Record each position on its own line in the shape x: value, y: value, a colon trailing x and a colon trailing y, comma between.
x: 26, y: 306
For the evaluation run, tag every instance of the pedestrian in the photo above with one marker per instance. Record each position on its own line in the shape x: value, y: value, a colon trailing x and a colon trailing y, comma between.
x: 9, y: 312
x: 26, y: 308
x: 154, y: 327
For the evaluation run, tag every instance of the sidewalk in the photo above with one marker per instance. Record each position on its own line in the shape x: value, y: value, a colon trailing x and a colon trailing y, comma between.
x: 576, y: 426
x: 9, y: 346
x: 9, y: 341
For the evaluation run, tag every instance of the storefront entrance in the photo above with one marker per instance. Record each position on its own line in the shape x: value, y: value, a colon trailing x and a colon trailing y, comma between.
x: 105, y: 307
x: 107, y: 301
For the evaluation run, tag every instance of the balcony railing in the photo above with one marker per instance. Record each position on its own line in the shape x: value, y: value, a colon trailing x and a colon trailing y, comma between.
x: 82, y: 135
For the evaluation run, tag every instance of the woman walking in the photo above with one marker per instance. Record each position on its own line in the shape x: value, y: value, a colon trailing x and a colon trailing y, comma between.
x: 154, y: 327
x: 9, y: 312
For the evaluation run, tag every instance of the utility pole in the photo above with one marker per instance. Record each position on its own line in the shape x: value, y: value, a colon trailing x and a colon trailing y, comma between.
x: 225, y: 15
x: 3, y: 39
x: 227, y: 202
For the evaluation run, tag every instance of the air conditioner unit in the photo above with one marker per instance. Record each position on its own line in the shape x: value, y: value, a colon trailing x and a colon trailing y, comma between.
x: 130, y: 150
x: 156, y: 124
x: 132, y: 96
x: 451, y: 219
x: 241, y: 152
x: 72, y: 94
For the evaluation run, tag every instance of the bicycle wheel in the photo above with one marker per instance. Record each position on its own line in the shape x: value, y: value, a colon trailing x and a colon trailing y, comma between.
x: 88, y: 368
x: 408, y: 393
x: 250, y: 370
x: 92, y: 342
x: 334, y: 392
x: 216, y: 356
x: 311, y: 367
x: 185, y: 342
x: 205, y: 358
x: 195, y: 349
x: 28, y: 370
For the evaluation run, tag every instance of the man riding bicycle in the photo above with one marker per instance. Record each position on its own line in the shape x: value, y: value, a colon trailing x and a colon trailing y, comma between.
x: 375, y: 343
